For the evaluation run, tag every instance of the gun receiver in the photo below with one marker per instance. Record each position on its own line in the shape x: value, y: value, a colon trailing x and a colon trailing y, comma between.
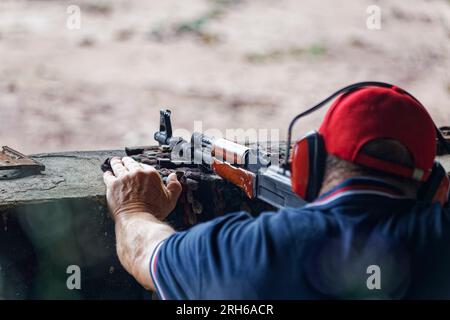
x: 249, y: 169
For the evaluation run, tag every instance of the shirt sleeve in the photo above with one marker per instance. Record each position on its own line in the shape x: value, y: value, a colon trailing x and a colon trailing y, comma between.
x: 227, y: 258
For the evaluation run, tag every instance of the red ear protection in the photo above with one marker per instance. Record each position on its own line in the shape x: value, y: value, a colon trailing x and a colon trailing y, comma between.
x: 308, y: 165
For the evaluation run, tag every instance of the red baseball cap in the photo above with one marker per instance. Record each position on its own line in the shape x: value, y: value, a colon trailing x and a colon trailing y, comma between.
x: 371, y: 113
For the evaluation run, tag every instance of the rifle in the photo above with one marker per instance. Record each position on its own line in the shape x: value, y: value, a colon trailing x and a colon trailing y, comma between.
x: 248, y: 168
x: 251, y: 169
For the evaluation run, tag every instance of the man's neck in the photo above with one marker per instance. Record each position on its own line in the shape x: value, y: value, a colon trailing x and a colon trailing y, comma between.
x: 332, y: 180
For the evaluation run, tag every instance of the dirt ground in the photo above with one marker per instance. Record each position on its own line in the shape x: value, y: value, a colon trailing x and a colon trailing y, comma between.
x: 231, y: 64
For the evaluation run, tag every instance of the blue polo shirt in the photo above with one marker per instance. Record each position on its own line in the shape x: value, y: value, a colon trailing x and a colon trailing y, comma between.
x: 363, y: 239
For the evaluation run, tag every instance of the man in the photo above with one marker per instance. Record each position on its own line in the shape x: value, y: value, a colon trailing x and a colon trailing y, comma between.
x: 366, y: 236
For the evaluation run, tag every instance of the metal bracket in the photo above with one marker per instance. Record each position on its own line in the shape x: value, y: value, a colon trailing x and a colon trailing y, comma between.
x: 445, y: 132
x: 443, y: 145
x: 14, y: 164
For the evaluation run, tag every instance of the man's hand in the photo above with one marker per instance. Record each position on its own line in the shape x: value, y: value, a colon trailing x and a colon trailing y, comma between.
x: 133, y: 187
x: 137, y: 198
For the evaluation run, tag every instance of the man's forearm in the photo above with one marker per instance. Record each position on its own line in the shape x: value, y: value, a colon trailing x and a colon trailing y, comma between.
x: 137, y: 236
x: 138, y: 200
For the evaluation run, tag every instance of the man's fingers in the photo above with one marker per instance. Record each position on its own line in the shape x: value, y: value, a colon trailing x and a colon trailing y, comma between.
x: 108, y: 178
x: 131, y: 164
x: 174, y: 187
x: 118, y: 167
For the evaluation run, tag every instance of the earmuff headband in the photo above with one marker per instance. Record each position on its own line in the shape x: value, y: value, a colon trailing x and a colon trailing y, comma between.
x: 347, y: 89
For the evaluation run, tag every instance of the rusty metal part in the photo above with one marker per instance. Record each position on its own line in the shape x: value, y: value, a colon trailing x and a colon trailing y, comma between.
x: 14, y: 164
x: 179, y: 174
x: 156, y: 156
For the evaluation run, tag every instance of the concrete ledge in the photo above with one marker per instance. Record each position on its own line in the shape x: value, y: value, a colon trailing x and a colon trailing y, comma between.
x: 68, y: 175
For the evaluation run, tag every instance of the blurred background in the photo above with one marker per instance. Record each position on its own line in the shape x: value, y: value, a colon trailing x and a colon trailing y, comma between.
x: 229, y: 63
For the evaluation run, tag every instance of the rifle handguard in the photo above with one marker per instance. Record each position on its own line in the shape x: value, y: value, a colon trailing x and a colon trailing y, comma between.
x: 242, y: 178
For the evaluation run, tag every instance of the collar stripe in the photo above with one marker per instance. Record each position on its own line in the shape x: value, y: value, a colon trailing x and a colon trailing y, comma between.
x: 337, y: 196
x: 360, y: 187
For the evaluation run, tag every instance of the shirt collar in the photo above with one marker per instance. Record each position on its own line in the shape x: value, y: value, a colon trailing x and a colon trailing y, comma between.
x: 359, y: 186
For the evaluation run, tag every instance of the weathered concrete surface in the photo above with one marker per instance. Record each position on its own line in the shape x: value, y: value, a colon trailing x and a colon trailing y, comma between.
x: 67, y: 176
